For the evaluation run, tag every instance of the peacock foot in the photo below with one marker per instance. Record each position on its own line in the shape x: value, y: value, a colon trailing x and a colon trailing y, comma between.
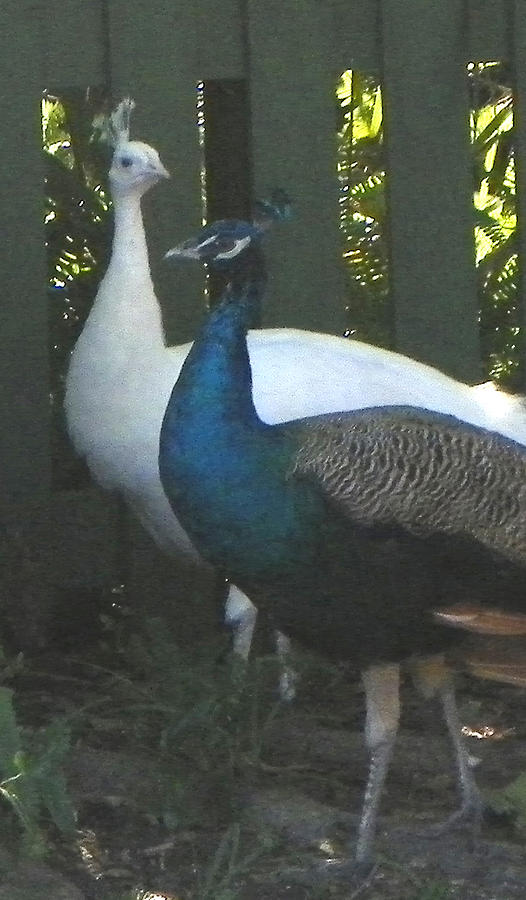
x: 470, y: 814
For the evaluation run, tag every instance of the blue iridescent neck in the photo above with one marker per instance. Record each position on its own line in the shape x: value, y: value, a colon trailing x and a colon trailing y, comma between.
x: 246, y: 278
x: 215, y: 383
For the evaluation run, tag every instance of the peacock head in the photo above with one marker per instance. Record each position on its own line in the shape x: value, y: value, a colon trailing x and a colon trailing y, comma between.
x: 135, y: 166
x: 219, y: 245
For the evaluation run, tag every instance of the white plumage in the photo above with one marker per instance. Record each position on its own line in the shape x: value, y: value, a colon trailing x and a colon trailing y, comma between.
x: 122, y: 373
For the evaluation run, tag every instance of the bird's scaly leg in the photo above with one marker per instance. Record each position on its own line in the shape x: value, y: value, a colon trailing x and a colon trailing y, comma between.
x: 433, y: 678
x: 472, y: 805
x: 381, y: 726
x: 288, y: 677
x: 241, y: 615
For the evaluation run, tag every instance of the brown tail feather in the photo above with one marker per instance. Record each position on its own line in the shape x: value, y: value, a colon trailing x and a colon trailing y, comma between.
x: 482, y: 620
x: 509, y: 673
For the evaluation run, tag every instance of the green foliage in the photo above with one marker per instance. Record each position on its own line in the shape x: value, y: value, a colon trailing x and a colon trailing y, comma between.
x: 363, y: 178
x: 204, y: 723
x: 77, y: 232
x: 361, y: 170
x: 32, y: 781
x: 434, y: 891
x: 496, y: 226
x: 229, y: 863
x: 511, y: 800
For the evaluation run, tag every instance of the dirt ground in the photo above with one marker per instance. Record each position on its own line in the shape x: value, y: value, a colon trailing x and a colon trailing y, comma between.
x: 295, y: 805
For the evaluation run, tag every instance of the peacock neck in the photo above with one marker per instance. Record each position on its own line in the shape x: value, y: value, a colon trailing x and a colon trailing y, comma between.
x: 213, y: 395
x: 247, y: 282
x: 215, y: 384
x: 126, y: 306
x: 129, y: 240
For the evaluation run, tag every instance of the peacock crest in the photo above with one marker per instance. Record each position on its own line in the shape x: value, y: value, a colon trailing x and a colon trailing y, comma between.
x: 277, y: 208
x: 114, y: 129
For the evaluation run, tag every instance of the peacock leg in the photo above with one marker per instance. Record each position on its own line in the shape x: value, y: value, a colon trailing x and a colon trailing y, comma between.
x: 472, y: 806
x: 241, y: 615
x: 288, y: 677
x: 381, y: 726
x: 433, y: 678
x: 381, y: 685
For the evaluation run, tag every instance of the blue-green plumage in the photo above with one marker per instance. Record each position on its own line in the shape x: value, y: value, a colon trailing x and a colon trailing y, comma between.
x: 218, y: 460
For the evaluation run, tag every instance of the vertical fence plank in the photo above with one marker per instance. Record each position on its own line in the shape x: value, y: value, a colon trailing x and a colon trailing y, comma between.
x: 429, y: 183
x: 355, y: 37
x: 487, y: 38
x: 24, y: 399
x: 64, y: 66
x: 41, y: 547
x: 518, y: 50
x: 294, y: 145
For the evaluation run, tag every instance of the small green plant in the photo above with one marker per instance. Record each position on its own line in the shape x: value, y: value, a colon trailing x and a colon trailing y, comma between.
x: 204, y: 722
x: 434, y: 891
x: 229, y: 864
x: 33, y: 782
x: 511, y: 800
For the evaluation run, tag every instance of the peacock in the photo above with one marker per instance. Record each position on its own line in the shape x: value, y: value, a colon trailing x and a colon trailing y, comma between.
x: 121, y: 372
x: 359, y: 532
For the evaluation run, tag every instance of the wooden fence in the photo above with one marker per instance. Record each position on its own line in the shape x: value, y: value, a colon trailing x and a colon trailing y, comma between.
x: 289, y: 55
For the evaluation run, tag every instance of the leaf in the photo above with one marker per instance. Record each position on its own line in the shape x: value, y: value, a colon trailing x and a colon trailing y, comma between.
x: 501, y: 120
x: 511, y: 799
x: 376, y: 119
x: 10, y: 736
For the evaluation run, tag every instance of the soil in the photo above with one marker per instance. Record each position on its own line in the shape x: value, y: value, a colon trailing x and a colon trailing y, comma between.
x: 295, y: 806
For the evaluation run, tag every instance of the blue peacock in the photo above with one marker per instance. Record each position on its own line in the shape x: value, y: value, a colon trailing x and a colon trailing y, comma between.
x: 359, y: 533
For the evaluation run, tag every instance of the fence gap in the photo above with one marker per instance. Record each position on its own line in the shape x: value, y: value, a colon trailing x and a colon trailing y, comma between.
x: 362, y: 176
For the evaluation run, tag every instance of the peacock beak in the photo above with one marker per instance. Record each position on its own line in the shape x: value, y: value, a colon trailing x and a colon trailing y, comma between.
x: 158, y: 171
x: 186, y: 250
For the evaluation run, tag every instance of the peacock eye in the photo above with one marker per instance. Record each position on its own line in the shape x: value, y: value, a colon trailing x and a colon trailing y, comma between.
x: 126, y: 161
